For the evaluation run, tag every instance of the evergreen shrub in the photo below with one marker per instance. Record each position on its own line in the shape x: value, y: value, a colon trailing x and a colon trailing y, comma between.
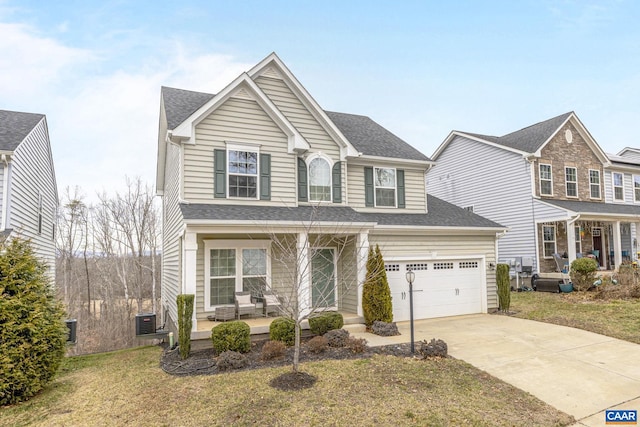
x: 376, y: 294
x: 231, y: 336
x: 325, y: 322
x: 283, y: 329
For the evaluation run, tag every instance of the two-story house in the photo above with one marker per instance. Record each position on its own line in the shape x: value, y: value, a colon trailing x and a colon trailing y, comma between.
x: 28, y: 191
x: 551, y: 184
x: 264, y: 190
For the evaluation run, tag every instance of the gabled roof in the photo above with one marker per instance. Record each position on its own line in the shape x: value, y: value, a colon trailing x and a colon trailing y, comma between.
x: 530, y: 140
x: 441, y: 214
x: 14, y: 128
x: 371, y: 139
x: 179, y: 104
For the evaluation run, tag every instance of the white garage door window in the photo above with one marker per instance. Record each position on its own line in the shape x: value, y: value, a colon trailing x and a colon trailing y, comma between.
x: 441, y: 288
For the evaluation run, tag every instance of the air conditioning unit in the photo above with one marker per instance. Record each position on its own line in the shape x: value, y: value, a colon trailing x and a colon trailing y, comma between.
x: 71, y: 326
x: 145, y: 323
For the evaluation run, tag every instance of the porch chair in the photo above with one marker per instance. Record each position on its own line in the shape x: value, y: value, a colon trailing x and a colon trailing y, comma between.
x: 561, y: 263
x: 271, y: 303
x: 244, y: 304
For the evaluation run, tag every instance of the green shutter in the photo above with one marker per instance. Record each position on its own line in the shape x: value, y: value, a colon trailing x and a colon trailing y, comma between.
x: 400, y: 185
x: 302, y: 181
x: 265, y: 176
x: 220, y: 173
x: 336, y: 176
x: 368, y: 187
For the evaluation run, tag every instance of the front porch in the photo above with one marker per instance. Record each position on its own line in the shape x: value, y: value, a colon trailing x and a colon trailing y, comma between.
x: 260, y: 325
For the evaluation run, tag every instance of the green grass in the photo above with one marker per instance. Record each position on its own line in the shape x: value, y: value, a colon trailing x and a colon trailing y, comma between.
x: 615, y: 318
x: 128, y: 388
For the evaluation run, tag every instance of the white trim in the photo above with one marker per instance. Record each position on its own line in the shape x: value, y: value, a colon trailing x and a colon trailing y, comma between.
x: 330, y: 162
x: 249, y: 148
x: 6, y: 159
x: 237, y: 246
x: 455, y: 133
x: 599, y: 184
x: 633, y: 183
x: 567, y: 182
x: 555, y: 241
x: 613, y: 186
x: 395, y: 188
x: 540, y: 178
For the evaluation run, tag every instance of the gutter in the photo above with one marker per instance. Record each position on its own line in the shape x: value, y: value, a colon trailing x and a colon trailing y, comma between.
x: 5, y: 158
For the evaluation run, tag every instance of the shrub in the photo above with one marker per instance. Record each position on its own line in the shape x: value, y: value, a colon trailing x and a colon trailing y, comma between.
x: 231, y: 336
x: 356, y: 345
x: 231, y: 360
x: 433, y: 348
x: 385, y: 329
x: 283, y: 329
x: 376, y: 294
x: 32, y: 331
x: 317, y: 344
x: 273, y: 349
x: 504, y: 286
x: 337, y: 337
x: 185, y: 313
x: 583, y: 273
x: 326, y: 322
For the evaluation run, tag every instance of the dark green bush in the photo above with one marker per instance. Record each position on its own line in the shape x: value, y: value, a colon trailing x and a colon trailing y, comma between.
x: 376, y: 294
x: 283, y: 329
x: 185, y: 313
x: 325, y: 322
x: 231, y: 336
x: 504, y: 286
x: 583, y: 273
x: 32, y: 331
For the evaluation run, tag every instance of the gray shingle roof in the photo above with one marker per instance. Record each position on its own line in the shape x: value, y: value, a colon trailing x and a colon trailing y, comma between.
x: 367, y: 136
x: 441, y: 214
x: 595, y: 207
x: 15, y: 126
x: 371, y: 139
x: 529, y: 139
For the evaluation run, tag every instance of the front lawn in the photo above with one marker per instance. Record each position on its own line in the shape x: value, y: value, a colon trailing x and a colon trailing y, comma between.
x: 615, y: 318
x: 129, y: 388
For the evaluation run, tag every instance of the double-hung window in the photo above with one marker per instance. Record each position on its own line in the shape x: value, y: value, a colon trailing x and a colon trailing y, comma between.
x: 578, y: 240
x: 636, y: 188
x: 549, y: 240
x: 546, y: 183
x: 594, y: 183
x: 385, y: 186
x: 571, y: 178
x: 233, y: 266
x: 618, y: 186
x: 319, y: 180
x: 243, y: 173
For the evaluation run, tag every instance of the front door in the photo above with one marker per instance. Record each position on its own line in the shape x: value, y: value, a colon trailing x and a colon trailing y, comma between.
x: 323, y: 278
x: 597, y: 245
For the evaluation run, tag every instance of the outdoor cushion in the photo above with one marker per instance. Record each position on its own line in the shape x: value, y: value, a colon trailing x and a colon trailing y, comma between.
x: 244, y: 299
x: 271, y: 299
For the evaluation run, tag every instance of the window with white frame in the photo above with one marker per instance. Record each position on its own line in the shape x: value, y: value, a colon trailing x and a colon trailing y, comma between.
x: 39, y: 213
x: 234, y: 266
x: 636, y: 188
x: 578, y: 240
x: 243, y: 173
x: 319, y: 180
x: 594, y: 183
x: 549, y: 240
x: 546, y: 183
x: 385, y: 186
x: 571, y: 179
x: 618, y: 185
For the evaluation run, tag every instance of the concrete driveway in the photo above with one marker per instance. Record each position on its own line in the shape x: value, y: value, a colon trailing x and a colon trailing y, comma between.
x: 577, y: 372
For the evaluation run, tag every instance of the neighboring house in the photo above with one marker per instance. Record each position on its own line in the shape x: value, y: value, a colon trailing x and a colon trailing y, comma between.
x: 551, y: 184
x: 260, y: 159
x: 28, y: 191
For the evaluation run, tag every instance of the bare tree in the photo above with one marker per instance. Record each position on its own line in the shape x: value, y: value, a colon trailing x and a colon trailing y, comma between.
x: 70, y: 236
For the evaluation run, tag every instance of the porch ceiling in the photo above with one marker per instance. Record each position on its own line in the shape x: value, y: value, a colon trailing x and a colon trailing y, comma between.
x: 595, y: 210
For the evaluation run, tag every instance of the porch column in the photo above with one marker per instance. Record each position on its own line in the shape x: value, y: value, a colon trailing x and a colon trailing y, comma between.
x: 571, y: 241
x: 304, y: 275
x: 189, y: 270
x: 617, y: 245
x: 361, y: 265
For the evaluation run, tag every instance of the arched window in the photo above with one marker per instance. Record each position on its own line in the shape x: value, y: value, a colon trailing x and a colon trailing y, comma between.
x: 319, y: 180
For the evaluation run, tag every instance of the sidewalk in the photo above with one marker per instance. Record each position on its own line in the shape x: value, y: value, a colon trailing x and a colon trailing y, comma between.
x: 575, y: 371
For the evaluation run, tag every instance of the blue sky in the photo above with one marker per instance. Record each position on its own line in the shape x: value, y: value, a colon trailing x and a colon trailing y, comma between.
x: 419, y: 68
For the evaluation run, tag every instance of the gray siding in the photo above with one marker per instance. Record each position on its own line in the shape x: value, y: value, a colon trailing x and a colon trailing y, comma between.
x: 31, y: 174
x: 172, y: 227
x: 628, y: 187
x: 496, y: 182
x: 443, y: 244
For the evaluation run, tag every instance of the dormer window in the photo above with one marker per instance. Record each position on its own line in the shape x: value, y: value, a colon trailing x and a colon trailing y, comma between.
x: 319, y: 180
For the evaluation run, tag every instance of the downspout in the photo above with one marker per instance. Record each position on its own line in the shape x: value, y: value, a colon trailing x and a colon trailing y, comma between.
x: 5, y: 191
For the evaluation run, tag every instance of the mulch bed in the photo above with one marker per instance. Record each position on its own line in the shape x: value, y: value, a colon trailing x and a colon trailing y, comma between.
x: 202, y: 362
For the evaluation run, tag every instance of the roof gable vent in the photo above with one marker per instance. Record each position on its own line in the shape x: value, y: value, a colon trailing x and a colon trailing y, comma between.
x: 568, y: 135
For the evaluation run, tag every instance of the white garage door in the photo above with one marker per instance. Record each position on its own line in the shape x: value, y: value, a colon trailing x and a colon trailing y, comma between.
x: 441, y: 288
